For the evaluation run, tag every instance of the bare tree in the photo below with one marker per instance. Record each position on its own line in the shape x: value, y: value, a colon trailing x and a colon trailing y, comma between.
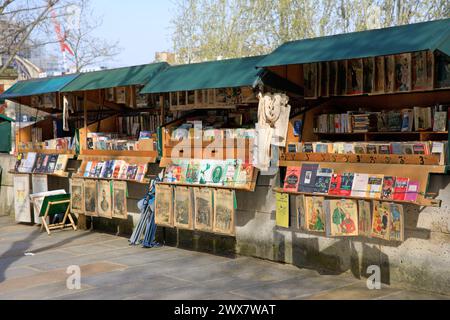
x: 88, y: 50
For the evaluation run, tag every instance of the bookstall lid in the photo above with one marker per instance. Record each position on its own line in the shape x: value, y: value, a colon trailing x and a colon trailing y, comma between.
x: 433, y: 35
x: 120, y: 77
x: 38, y: 86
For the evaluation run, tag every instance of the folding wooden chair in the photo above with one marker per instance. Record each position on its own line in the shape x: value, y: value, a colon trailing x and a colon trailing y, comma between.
x: 56, y: 205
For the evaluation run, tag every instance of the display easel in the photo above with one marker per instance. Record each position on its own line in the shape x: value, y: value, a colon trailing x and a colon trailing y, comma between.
x: 55, y: 205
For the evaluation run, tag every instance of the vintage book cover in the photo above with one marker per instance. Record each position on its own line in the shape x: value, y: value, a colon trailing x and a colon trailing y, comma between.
x: 119, y: 200
x: 360, y: 148
x: 123, y: 171
x: 224, y: 212
x: 315, y: 214
x: 419, y: 148
x: 218, y: 173
x: 381, y: 220
x: 308, y: 178
x: 231, y: 173
x: 442, y: 62
x: 400, y: 188
x: 184, y: 165
x: 52, y: 163
x: 384, y: 149
x: 172, y: 173
x: 323, y: 180
x: 45, y: 163
x: 203, y: 209
x: 407, y: 120
x: 308, y: 147
x: 87, y: 170
x: 407, y: 149
x: 93, y: 169
x: 282, y: 212
x: 387, y: 192
x: 396, y: 148
x: 29, y: 163
x: 104, y: 205
x: 375, y: 186
x: 61, y: 164
x: 342, y: 218
x: 141, y: 171
x: 245, y: 175
x: 90, y: 198
x: 205, y: 172
x: 360, y: 185
x: 164, y: 205
x: 365, y: 218
x: 397, y: 227
x: 335, y: 185
x: 77, y: 196
x: 292, y: 179
x: 192, y: 174
x: 99, y: 169
x: 346, y: 184
x: 183, y: 208
x: 300, y: 212
x: 412, y: 192
x: 372, y: 149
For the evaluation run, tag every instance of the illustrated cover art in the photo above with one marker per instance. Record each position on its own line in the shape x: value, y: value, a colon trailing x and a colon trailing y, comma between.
x: 90, y: 198
x: 308, y: 178
x: 164, y: 205
x: 203, y: 211
x: 77, y: 196
x: 381, y: 220
x: 387, y: 192
x: 342, y: 218
x: 224, y: 212
x: 323, y: 180
x: 400, y: 188
x: 119, y: 200
x: 292, y: 179
x: 346, y: 184
x: 365, y: 218
x: 104, y: 205
x: 335, y: 185
x: 183, y: 208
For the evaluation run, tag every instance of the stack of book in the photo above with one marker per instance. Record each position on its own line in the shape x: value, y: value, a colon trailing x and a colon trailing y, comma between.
x: 115, y: 169
x: 364, y: 122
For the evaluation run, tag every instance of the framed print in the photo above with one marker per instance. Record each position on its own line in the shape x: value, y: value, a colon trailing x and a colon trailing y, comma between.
x: 119, y: 200
x: 224, y: 212
x: 121, y: 95
x: 104, y: 200
x: 341, y: 86
x: 310, y: 75
x: 442, y: 62
x: 90, y: 198
x: 164, y: 205
x: 379, y: 75
x: 389, y: 64
x: 355, y: 76
x: 77, y: 196
x: 203, y: 211
x: 183, y: 208
x: 402, y: 72
x: 332, y: 83
x: 368, y: 75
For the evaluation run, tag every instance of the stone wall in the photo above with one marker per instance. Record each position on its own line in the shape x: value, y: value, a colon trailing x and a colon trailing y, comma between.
x: 7, y: 188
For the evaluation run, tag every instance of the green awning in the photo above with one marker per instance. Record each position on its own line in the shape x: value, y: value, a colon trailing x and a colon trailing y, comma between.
x: 121, y: 77
x: 207, y: 75
x: 37, y: 86
x: 5, y: 118
x: 433, y: 35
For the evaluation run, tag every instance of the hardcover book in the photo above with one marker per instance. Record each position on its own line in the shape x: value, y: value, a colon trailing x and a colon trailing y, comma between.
x: 360, y: 185
x: 323, y: 180
x: 308, y: 178
x: 400, y: 188
x: 387, y: 192
x: 292, y: 179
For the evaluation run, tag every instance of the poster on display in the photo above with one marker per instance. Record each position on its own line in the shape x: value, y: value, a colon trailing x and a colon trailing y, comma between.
x: 203, y: 204
x: 119, y: 200
x: 22, y: 204
x: 77, y: 196
x: 224, y: 212
x: 164, y: 205
x: 104, y: 203
x: 90, y: 198
x: 183, y: 208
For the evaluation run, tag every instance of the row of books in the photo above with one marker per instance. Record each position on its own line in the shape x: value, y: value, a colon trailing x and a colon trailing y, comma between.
x: 38, y: 163
x: 110, y: 141
x: 210, y: 134
x: 311, y: 178
x: 349, y: 218
x: 54, y: 144
x: 398, y: 148
x: 132, y: 125
x: 115, y: 169
x: 229, y: 173
x: 406, y: 120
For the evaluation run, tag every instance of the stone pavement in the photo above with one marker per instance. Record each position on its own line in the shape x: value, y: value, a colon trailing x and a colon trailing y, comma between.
x: 110, y: 269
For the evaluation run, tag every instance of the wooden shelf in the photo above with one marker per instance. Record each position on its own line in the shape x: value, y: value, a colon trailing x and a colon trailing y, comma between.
x: 66, y: 175
x: 120, y: 153
x: 289, y: 159
x: 424, y: 202
x: 205, y: 186
x: 47, y: 151
x: 110, y: 179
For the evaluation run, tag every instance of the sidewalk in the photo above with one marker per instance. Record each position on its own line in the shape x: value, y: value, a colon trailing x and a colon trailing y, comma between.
x: 110, y: 269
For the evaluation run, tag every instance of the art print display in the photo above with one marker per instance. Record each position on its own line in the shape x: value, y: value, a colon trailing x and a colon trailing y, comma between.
x: 205, y: 172
x: 310, y: 75
x: 77, y: 196
x: 245, y: 175
x: 365, y: 218
x: 380, y: 78
x: 104, y: 200
x: 342, y: 218
x: 224, y: 211
x: 232, y: 173
x: 90, y: 198
x: 300, y: 211
x: 402, y: 72
x: 183, y: 208
x: 389, y: 64
x: 442, y: 62
x: 192, y: 173
x: 315, y: 214
x: 119, y: 200
x: 22, y: 206
x: 368, y: 75
x: 203, y: 204
x: 422, y: 70
x: 381, y: 220
x: 164, y: 205
x: 440, y: 121
x: 355, y: 76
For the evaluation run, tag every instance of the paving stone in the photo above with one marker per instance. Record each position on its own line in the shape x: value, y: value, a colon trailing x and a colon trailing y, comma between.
x: 413, y: 295
x: 227, y: 296
x: 43, y: 292
x: 357, y: 291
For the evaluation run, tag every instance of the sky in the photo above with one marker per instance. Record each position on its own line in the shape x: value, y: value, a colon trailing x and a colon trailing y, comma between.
x: 140, y: 26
